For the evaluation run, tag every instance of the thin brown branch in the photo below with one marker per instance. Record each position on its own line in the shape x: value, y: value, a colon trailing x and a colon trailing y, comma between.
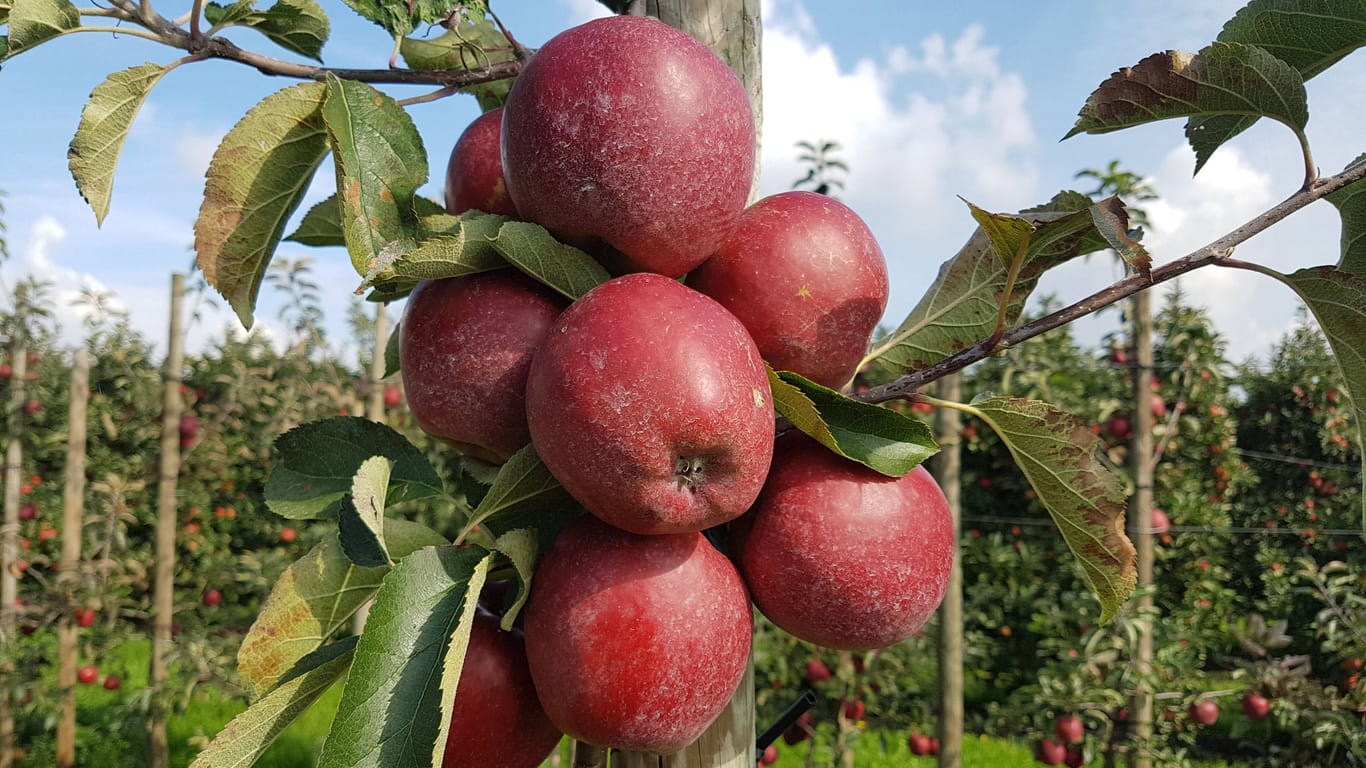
x: 1213, y: 253
x: 196, y: 11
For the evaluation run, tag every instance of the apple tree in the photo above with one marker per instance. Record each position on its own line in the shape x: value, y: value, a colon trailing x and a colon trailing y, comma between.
x: 628, y: 149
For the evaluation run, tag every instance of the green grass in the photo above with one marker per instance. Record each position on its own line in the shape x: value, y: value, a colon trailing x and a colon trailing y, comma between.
x: 886, y: 749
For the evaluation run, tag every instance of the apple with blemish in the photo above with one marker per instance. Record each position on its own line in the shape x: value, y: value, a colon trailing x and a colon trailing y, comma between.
x: 808, y: 280
x: 650, y: 404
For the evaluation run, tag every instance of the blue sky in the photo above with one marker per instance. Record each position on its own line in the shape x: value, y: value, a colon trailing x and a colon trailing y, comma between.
x: 929, y: 100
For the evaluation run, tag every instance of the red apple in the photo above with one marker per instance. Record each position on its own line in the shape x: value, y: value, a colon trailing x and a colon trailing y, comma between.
x: 85, y: 617
x: 635, y: 642
x: 466, y: 346
x: 87, y: 674
x: 1075, y: 758
x: 474, y: 174
x: 32, y: 406
x: 497, y: 718
x: 212, y: 597
x: 189, y: 427
x: 1119, y: 428
x: 1159, y: 406
x: 6, y: 371
x: 919, y: 744
x: 112, y: 682
x: 650, y: 404
x: 629, y: 131
x: 800, y: 730
x: 1069, y: 729
x: 28, y: 511
x: 392, y: 396
x: 934, y: 746
x: 1204, y: 712
x: 1255, y: 705
x: 842, y: 556
x: 1161, y: 523
x: 288, y: 535
x: 770, y: 755
x: 806, y: 277
x: 816, y: 671
x: 854, y: 709
x: 1050, y: 752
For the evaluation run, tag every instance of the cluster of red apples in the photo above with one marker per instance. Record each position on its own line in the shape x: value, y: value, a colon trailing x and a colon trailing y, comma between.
x: 648, y: 400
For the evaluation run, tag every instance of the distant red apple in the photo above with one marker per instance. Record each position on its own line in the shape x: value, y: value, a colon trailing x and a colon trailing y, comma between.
x: 1050, y: 752
x: 770, y: 755
x: 585, y: 156
x: 189, y: 427
x: 1160, y: 524
x: 800, y: 730
x: 87, y: 674
x: 497, y: 719
x: 112, y: 682
x: 1204, y: 712
x: 808, y: 280
x: 212, y: 597
x: 635, y: 642
x: 467, y: 343
x: 1255, y: 705
x: 806, y: 548
x: 28, y: 511
x: 1075, y: 758
x: 919, y: 744
x: 1159, y: 406
x: 474, y: 173
x: 816, y: 671
x: 854, y: 710
x: 392, y: 396
x: 287, y: 535
x: 1119, y: 428
x: 85, y: 617
x: 32, y: 406
x: 1069, y: 729
x: 934, y: 746
x: 6, y: 371
x: 650, y: 404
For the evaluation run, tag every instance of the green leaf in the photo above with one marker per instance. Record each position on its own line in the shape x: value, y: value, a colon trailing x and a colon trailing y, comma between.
x: 313, y: 598
x: 961, y: 308
x: 257, y: 178
x: 4, y: 46
x: 396, y: 707
x: 321, y: 226
x: 229, y: 15
x: 380, y: 164
x: 360, y: 521
x: 300, y: 26
x: 876, y: 437
x: 4, y: 10
x: 1061, y: 458
x: 1351, y: 204
x: 1222, y: 79
x: 105, y: 121
x: 792, y: 404
x: 473, y: 44
x: 523, y: 487
x: 533, y: 250
x: 519, y: 547
x: 1309, y: 35
x: 400, y: 17
x: 317, y: 462
x: 1337, y: 300
x: 460, y: 246
x: 1007, y: 234
x: 392, y: 348
x: 243, y: 740
x: 34, y: 21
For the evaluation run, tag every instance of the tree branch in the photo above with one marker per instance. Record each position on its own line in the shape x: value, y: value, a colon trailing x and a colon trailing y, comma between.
x: 1215, y: 252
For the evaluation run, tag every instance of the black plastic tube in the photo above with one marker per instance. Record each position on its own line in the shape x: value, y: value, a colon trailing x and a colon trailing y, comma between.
x: 785, y: 720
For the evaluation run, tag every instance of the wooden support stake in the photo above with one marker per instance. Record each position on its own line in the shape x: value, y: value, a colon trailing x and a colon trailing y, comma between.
x: 9, y: 543
x: 73, y: 518
x: 947, y: 469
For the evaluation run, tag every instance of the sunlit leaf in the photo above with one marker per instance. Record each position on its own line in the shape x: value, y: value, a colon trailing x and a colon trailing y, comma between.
x: 34, y: 21
x: 300, y: 26
x: 454, y: 246
x: 1061, y: 458
x: 533, y: 250
x: 360, y: 521
x: 523, y: 485
x: 475, y: 43
x: 399, y: 694
x: 258, y: 176
x: 312, y: 599
x: 519, y: 547
x: 876, y: 437
x: 105, y: 121
x: 399, y: 17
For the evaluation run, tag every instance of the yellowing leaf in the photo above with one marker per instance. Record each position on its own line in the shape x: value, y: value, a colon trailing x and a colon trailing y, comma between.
x: 105, y: 121
x: 257, y: 178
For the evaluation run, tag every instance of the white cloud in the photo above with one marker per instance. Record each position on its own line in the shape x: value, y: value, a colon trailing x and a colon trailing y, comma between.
x: 65, y: 285
x: 194, y: 150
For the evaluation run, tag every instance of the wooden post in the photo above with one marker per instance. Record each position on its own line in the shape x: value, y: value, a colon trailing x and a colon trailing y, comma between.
x: 163, y: 599
x: 947, y: 469
x: 73, y: 519
x: 9, y: 542
x: 733, y: 29
x: 1140, y: 519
